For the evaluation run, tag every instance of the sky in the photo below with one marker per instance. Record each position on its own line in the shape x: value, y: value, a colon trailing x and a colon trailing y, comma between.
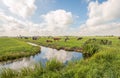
x: 59, y: 17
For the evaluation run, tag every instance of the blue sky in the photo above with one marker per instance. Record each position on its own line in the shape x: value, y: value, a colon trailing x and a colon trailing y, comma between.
x: 59, y: 17
x: 79, y: 9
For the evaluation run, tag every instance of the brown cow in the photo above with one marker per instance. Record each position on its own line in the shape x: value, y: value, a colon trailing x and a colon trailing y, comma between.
x: 66, y: 39
x: 118, y: 37
x: 56, y: 39
x: 79, y: 38
x: 49, y: 41
x: 35, y: 37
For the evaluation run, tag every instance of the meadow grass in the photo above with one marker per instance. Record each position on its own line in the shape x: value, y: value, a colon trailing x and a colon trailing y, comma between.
x: 11, y: 48
x: 105, y: 63
x: 61, y: 44
x: 77, y: 45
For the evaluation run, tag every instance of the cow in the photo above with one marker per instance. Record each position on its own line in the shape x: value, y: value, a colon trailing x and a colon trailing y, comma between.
x: 56, y: 39
x: 118, y: 37
x: 21, y: 37
x: 34, y: 38
x: 49, y: 41
x: 25, y: 37
x: 79, y: 38
x: 94, y: 39
x: 67, y: 38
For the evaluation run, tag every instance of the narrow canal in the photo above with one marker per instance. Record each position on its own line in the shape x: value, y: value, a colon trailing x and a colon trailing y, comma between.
x: 45, y: 55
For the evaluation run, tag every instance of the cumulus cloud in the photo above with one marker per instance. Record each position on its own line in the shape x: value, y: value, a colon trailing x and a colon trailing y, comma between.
x: 57, y: 19
x: 11, y: 26
x: 54, y: 23
x: 104, y: 29
x: 60, y: 55
x: 23, y: 8
x: 101, y: 13
x: 102, y: 18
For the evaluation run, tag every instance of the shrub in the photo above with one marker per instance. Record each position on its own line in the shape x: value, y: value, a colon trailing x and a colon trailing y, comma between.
x: 90, y: 49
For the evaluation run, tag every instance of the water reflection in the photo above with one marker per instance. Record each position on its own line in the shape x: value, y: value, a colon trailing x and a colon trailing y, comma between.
x: 45, y: 55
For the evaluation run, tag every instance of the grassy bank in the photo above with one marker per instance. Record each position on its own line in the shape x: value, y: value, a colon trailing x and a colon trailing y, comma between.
x: 11, y: 48
x: 104, y: 62
x: 70, y: 45
x: 87, y: 45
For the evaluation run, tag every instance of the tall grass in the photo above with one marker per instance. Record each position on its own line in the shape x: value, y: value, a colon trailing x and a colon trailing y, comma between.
x: 52, y: 66
x: 90, y: 49
x: 104, y: 64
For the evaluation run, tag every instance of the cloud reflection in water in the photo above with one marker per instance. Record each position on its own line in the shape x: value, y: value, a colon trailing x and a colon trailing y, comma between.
x: 45, y: 55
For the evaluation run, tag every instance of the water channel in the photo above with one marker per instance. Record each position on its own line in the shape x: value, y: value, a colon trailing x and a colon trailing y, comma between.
x: 45, y: 55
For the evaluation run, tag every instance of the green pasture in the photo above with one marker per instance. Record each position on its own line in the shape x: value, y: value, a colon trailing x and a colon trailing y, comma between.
x: 11, y: 48
x: 73, y: 42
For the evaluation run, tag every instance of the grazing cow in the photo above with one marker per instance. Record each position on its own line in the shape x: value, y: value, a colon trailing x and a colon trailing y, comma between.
x: 67, y: 39
x: 34, y: 38
x: 25, y: 37
x: 21, y: 37
x: 79, y: 38
x: 94, y: 39
x: 49, y: 41
x: 56, y: 39
x: 118, y: 37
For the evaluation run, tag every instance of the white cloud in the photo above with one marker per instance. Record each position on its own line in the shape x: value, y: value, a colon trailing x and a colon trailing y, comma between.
x: 23, y: 8
x: 60, y: 55
x: 102, y: 18
x: 57, y: 19
x: 11, y: 26
x: 101, y: 13
x: 104, y: 29
x: 54, y: 23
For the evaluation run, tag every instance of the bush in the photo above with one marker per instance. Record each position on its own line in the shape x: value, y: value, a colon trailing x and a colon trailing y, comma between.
x: 90, y: 49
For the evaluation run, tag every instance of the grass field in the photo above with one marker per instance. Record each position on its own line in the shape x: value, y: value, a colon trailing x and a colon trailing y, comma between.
x: 59, y: 44
x: 104, y: 62
x: 73, y: 44
x: 11, y: 48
